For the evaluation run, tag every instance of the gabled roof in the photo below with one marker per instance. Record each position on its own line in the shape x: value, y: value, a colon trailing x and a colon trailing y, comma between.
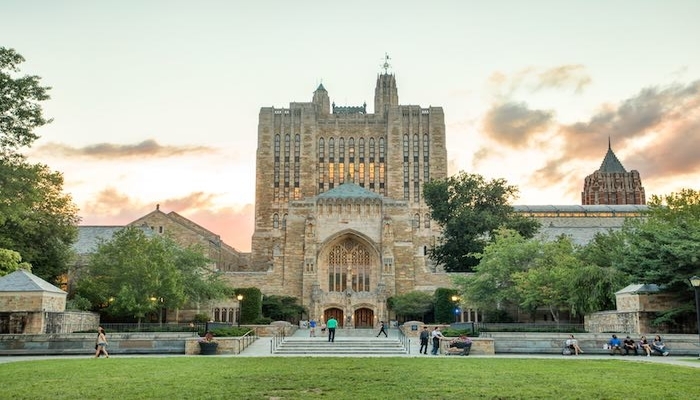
x: 639, y: 288
x: 611, y: 163
x: 24, y: 281
x: 90, y: 236
x: 349, y: 190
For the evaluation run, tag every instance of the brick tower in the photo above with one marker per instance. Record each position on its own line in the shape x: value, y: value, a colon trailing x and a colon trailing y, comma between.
x: 612, y: 184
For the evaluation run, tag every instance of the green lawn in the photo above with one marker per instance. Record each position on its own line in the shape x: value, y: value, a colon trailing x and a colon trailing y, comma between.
x: 344, y: 378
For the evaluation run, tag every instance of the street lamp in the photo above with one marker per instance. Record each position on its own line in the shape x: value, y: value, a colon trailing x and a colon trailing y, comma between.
x: 160, y: 309
x: 239, y: 298
x: 456, y: 299
x: 695, y: 281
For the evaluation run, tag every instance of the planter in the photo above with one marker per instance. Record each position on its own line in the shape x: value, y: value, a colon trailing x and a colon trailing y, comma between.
x: 208, y: 348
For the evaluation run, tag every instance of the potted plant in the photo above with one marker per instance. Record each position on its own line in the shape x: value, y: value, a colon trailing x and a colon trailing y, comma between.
x: 207, y: 345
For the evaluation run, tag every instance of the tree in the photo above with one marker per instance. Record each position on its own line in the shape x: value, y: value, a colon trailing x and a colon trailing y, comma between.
x: 492, y: 287
x: 664, y: 248
x: 135, y: 274
x: 282, y: 308
x: 11, y: 261
x: 412, y: 304
x: 36, y: 218
x: 469, y: 209
x: 532, y: 274
x: 20, y: 109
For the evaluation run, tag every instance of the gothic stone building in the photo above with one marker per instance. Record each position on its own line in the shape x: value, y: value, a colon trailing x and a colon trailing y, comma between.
x: 612, y: 184
x: 340, y: 219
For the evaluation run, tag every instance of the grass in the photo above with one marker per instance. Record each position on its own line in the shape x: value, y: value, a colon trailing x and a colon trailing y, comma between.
x: 344, y: 378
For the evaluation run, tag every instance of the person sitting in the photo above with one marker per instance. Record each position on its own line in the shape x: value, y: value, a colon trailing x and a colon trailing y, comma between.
x: 572, y: 344
x: 644, y: 345
x: 459, y: 346
x: 629, y: 344
x: 659, y: 346
x: 615, y: 345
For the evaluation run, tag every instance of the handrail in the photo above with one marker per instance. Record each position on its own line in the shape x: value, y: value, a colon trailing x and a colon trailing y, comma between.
x: 276, y: 340
x: 405, y: 341
x: 246, y: 340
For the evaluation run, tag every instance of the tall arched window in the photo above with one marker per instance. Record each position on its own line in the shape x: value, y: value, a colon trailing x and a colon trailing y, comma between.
x: 349, y: 255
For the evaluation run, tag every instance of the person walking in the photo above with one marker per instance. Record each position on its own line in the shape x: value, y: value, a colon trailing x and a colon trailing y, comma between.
x: 312, y: 328
x: 381, y: 329
x: 331, y: 325
x: 436, y: 335
x: 424, y: 336
x: 101, y: 345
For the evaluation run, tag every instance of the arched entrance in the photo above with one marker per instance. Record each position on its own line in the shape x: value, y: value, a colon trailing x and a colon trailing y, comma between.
x: 364, y: 318
x: 336, y: 313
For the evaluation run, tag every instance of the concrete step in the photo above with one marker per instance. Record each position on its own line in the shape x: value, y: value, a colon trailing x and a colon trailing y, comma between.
x: 351, y: 346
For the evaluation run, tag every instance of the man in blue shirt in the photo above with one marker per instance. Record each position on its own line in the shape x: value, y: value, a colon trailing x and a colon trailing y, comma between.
x: 615, y: 345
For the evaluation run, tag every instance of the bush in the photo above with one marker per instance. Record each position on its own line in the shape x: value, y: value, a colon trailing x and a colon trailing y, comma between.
x: 201, y: 318
x: 232, y: 331
x: 450, y: 332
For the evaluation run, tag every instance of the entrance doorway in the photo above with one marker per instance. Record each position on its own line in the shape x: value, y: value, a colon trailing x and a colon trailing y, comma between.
x: 336, y: 313
x: 364, y: 318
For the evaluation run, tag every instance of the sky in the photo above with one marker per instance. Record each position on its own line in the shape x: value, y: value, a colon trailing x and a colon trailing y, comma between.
x: 156, y: 102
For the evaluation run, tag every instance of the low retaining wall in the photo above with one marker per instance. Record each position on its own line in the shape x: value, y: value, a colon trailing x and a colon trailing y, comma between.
x: 132, y: 343
x: 84, y: 343
x: 590, y: 343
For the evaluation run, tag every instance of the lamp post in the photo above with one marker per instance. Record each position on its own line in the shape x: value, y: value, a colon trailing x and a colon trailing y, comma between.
x: 456, y: 299
x: 695, y: 281
x: 160, y: 309
x: 239, y: 298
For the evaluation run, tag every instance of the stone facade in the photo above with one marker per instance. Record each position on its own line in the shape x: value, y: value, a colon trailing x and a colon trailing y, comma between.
x: 186, y: 232
x: 340, y: 220
x: 636, y: 307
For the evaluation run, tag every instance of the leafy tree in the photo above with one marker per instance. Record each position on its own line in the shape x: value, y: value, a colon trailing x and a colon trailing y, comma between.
x: 20, y: 109
x: 664, y: 248
x: 11, y: 261
x: 134, y: 275
x: 531, y: 274
x: 282, y: 308
x: 444, y: 305
x: 492, y: 287
x: 469, y: 209
x: 36, y: 218
x: 413, y: 304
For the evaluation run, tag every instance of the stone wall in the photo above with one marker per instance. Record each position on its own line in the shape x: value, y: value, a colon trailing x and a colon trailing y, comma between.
x: 32, y: 302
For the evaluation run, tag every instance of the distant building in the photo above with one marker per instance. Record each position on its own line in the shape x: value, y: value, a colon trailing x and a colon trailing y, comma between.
x: 612, y: 184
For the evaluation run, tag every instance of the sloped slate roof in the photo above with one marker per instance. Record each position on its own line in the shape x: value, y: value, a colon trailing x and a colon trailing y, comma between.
x: 349, y: 190
x: 24, y: 281
x: 90, y: 236
x: 611, y: 163
x: 639, y: 288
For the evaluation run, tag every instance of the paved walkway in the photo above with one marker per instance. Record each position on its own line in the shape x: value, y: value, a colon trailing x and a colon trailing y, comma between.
x: 261, y: 348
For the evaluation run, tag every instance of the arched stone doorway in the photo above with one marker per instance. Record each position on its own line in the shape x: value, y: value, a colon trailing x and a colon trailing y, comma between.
x: 364, y: 318
x: 336, y: 313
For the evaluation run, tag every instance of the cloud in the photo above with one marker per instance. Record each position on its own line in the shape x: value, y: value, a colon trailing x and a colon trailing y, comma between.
x: 662, y: 110
x: 535, y: 79
x: 234, y: 225
x: 514, y: 124
x: 658, y: 130
x: 563, y: 76
x: 149, y: 148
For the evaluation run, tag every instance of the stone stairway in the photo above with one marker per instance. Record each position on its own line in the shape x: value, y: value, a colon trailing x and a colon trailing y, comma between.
x: 358, y: 342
